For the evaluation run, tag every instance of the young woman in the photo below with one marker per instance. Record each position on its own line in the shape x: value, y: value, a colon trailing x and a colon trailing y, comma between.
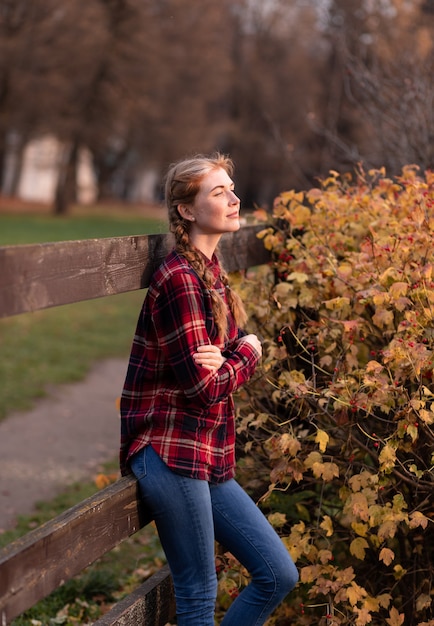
x: 189, y: 355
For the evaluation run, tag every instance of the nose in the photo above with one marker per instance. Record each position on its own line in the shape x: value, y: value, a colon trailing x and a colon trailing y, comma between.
x: 234, y: 199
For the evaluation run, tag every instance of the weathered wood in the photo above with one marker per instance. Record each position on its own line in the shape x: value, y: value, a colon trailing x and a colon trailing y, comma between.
x: 40, y: 276
x: 152, y: 604
x: 35, y: 565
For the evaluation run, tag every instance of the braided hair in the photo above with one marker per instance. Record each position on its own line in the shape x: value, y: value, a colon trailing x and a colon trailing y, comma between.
x: 181, y: 187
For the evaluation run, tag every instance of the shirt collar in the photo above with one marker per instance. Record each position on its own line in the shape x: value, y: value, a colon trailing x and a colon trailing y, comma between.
x: 212, y: 264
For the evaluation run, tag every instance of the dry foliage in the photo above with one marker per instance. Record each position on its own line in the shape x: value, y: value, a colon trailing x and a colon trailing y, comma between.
x: 340, y: 421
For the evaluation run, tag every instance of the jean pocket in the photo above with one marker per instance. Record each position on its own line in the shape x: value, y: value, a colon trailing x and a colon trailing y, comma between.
x: 138, y: 464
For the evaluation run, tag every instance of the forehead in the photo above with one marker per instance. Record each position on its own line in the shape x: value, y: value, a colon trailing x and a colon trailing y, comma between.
x: 215, y: 178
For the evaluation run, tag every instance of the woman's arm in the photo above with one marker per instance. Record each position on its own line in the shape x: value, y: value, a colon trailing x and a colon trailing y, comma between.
x: 179, y: 317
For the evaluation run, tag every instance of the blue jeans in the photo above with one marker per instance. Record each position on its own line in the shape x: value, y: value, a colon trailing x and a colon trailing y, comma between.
x: 190, y: 514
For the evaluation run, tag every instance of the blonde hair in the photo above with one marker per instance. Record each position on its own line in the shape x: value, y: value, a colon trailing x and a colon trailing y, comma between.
x: 182, y: 184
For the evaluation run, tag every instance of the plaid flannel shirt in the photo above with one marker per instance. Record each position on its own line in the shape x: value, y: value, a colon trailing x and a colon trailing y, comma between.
x: 182, y: 409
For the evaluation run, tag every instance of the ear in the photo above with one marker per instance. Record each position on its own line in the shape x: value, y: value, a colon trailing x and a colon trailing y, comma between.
x: 186, y: 213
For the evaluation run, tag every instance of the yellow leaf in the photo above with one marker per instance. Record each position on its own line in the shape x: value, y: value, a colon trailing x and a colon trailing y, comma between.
x: 345, y: 270
x: 371, y: 604
x: 299, y: 277
x: 412, y: 432
x: 337, y: 303
x: 300, y: 215
x: 322, y: 440
x: 327, y: 525
x: 384, y: 600
x: 381, y: 298
x: 362, y: 480
x: 326, y: 471
x: 386, y: 555
x: 325, y: 556
x: 373, y: 366
x: 395, y: 619
x: 311, y: 459
x: 397, y: 290
x: 359, y: 506
x: 382, y: 317
x: 277, y: 520
x: 297, y: 376
x: 426, y: 416
x: 399, y: 572
x: 309, y: 574
x: 360, y: 529
x: 363, y: 616
x: 289, y: 444
x: 387, y: 458
x: 387, y: 530
x: 418, y: 519
x: 355, y: 593
x: 358, y: 547
x: 281, y: 290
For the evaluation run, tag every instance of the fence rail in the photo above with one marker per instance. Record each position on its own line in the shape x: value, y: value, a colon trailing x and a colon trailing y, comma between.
x: 45, y: 275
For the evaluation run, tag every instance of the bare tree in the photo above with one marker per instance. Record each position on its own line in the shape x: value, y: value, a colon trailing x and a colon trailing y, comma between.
x: 380, y: 101
x: 289, y: 90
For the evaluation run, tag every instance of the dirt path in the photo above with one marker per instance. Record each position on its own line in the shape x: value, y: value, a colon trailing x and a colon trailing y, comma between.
x: 64, y: 439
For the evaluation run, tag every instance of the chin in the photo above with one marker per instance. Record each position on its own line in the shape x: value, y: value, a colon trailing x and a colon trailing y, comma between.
x: 236, y: 225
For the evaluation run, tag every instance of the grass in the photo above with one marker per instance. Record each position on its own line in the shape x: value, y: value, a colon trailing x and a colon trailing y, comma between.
x: 60, y: 345
x: 22, y: 228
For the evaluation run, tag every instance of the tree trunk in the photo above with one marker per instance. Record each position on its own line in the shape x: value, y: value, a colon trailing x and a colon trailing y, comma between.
x: 66, y: 189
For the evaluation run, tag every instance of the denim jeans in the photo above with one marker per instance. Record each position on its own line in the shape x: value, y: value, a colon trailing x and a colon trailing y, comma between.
x: 190, y: 514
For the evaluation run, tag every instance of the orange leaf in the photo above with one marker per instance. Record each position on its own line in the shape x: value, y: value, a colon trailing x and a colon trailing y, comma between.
x: 395, y: 619
x: 387, y: 556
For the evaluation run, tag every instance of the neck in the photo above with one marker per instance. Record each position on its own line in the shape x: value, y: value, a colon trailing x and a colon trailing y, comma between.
x: 207, y: 244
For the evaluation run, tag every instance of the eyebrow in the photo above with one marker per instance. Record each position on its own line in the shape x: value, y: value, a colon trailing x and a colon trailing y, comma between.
x: 221, y: 187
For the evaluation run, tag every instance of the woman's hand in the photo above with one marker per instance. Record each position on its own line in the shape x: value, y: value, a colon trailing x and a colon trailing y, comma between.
x: 210, y: 357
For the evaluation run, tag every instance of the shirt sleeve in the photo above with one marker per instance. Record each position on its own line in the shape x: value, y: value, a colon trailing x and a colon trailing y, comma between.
x: 179, y: 318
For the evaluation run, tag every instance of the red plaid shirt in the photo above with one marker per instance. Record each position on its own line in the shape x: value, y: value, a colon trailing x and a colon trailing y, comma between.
x: 182, y: 409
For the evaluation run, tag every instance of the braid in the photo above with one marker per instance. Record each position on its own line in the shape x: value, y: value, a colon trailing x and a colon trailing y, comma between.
x: 185, y: 249
x: 235, y: 303
x: 182, y: 184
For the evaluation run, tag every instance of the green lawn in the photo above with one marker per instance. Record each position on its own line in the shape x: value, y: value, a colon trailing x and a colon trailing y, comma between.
x: 27, y: 228
x: 60, y: 345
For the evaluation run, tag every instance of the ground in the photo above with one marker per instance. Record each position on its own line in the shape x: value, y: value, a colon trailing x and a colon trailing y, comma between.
x: 65, y: 438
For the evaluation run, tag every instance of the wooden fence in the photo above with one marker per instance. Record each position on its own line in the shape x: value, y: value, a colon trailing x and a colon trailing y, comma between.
x: 40, y: 276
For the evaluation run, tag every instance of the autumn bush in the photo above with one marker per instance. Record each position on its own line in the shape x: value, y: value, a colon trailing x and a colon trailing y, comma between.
x: 339, y: 423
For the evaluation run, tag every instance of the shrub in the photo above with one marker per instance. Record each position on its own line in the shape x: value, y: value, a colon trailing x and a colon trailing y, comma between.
x: 341, y: 417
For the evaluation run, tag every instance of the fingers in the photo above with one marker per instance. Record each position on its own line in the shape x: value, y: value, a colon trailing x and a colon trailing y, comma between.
x: 209, y: 357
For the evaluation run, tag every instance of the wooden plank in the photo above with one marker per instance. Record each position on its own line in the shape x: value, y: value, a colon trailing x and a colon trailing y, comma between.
x: 152, y: 604
x: 243, y: 249
x: 36, y: 564
x: 40, y: 276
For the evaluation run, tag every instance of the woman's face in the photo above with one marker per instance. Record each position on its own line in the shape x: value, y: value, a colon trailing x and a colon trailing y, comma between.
x: 216, y: 208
